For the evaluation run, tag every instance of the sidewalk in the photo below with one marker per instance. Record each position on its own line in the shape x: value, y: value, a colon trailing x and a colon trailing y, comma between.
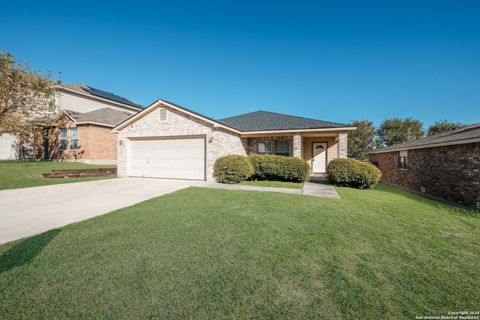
x: 318, y: 186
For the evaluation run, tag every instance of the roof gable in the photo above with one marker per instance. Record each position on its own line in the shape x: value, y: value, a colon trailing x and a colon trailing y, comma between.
x: 265, y: 121
x: 468, y: 134
x: 105, y: 116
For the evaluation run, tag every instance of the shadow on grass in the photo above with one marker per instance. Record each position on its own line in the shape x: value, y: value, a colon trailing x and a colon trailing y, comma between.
x: 25, y: 251
x: 426, y: 200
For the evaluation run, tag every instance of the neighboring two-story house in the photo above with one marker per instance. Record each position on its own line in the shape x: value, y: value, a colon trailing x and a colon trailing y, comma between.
x: 82, y: 131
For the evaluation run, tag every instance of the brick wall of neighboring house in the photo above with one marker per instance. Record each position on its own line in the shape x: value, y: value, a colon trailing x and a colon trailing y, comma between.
x: 451, y: 173
x: 96, y: 144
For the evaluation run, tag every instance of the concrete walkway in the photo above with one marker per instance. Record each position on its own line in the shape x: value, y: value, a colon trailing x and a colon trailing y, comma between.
x: 319, y: 186
x: 29, y: 211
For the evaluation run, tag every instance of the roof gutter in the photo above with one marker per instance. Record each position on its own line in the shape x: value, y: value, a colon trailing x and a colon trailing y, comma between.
x: 250, y: 133
x: 427, y: 146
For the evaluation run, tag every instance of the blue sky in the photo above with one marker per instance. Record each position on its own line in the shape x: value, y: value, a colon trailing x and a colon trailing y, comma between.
x: 331, y: 60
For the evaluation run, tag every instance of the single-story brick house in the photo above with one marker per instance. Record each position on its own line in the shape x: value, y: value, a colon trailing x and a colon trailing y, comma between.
x: 166, y: 140
x: 444, y: 166
x: 81, y: 132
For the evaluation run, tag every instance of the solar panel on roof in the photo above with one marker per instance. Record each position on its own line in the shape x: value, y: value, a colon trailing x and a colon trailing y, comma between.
x: 111, y: 96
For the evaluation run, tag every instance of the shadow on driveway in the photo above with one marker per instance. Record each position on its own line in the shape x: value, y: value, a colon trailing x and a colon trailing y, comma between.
x: 25, y: 251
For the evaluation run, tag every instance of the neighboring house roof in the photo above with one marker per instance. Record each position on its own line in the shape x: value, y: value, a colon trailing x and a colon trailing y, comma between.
x: 249, y: 123
x: 97, y: 93
x: 106, y: 116
x: 468, y: 134
x: 266, y: 121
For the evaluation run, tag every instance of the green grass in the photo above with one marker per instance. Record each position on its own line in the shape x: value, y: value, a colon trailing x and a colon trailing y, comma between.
x: 275, y: 184
x: 22, y: 174
x: 220, y: 254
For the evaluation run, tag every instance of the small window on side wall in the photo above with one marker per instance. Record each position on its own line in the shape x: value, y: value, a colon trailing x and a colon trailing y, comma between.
x: 63, y: 139
x: 265, y: 147
x: 403, y: 160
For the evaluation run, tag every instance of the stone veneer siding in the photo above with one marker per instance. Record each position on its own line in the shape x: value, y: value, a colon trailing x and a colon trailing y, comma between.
x: 342, y: 144
x: 219, y: 142
x: 451, y: 173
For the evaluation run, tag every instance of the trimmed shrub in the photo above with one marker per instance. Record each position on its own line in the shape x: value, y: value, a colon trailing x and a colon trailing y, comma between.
x: 353, y: 173
x: 279, y: 168
x: 232, y: 169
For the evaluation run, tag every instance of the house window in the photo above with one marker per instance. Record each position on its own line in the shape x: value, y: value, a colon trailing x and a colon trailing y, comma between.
x: 63, y: 139
x: 265, y: 147
x: 73, y: 139
x: 282, y: 147
x: 163, y: 114
x: 403, y: 160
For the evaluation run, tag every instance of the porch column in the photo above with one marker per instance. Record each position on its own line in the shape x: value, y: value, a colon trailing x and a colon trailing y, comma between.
x: 342, y: 145
x: 297, y: 145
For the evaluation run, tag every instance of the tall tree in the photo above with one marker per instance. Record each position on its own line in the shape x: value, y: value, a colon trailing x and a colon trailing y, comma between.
x: 362, y: 140
x: 26, y: 96
x: 443, y: 126
x: 395, y: 131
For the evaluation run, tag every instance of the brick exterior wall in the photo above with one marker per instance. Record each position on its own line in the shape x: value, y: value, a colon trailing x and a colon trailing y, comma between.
x: 451, y: 173
x: 219, y: 141
x: 96, y: 144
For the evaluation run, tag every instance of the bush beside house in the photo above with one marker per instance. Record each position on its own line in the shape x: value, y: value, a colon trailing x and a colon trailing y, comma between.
x: 279, y: 168
x: 353, y: 173
x: 234, y: 169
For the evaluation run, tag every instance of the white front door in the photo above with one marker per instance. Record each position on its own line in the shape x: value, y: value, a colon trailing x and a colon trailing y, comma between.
x: 319, y: 160
x: 179, y: 158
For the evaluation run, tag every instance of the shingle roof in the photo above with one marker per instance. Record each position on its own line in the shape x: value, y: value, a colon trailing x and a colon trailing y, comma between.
x: 94, y: 92
x: 105, y: 116
x: 267, y: 121
x: 468, y: 134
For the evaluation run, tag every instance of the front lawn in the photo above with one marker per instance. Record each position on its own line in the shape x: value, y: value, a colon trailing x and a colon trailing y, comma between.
x: 22, y: 174
x: 275, y: 184
x: 221, y: 254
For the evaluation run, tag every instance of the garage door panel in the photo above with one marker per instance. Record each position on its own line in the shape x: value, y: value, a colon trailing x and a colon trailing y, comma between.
x: 167, y: 158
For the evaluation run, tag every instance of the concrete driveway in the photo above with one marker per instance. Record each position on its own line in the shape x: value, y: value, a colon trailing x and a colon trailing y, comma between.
x: 29, y: 211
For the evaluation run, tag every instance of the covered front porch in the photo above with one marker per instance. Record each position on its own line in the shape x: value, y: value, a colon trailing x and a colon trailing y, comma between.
x: 317, y: 147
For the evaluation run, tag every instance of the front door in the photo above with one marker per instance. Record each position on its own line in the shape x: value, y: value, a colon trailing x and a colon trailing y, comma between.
x: 319, y: 160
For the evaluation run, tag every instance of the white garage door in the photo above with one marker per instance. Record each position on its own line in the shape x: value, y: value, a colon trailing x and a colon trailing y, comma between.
x: 8, y: 147
x: 182, y: 158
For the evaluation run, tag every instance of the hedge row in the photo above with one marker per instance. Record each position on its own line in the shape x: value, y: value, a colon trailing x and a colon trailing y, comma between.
x: 234, y: 169
x: 353, y: 173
